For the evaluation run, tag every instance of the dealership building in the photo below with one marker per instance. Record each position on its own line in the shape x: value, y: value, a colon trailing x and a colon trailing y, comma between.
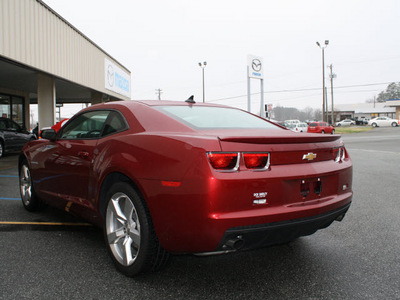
x: 45, y: 60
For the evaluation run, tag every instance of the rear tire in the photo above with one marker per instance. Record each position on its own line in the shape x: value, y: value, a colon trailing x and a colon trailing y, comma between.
x: 129, y: 233
x: 333, y: 131
x: 323, y: 132
x: 29, y: 198
x: 394, y: 124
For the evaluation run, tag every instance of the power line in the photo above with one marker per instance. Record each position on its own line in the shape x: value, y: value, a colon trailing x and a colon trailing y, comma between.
x: 302, y: 90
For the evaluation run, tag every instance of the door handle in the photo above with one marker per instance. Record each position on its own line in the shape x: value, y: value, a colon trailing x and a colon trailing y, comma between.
x: 83, y: 154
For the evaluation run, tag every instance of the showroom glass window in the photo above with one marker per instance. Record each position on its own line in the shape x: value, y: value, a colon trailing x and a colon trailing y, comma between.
x: 17, y: 110
x: 12, y: 107
x: 5, y: 108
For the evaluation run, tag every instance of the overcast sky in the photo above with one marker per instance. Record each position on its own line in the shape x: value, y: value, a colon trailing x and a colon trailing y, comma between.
x: 161, y: 43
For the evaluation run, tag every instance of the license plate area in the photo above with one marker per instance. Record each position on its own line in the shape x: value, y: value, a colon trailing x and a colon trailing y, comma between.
x: 310, y: 187
x: 306, y: 189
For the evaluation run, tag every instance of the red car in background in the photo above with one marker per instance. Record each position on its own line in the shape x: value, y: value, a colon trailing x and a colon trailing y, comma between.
x: 166, y: 177
x: 56, y: 127
x: 320, y: 127
x: 60, y: 124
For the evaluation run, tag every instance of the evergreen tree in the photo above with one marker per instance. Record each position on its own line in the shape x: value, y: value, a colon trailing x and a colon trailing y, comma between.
x: 392, y: 92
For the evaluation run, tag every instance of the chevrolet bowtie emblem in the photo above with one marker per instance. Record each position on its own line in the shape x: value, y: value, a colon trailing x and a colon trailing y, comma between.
x: 309, y: 156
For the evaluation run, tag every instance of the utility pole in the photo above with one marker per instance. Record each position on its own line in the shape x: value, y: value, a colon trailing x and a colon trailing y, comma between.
x: 326, y: 105
x: 332, y: 76
x: 159, y: 92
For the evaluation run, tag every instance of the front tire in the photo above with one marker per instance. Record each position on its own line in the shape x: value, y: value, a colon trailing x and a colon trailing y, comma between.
x: 394, y: 124
x: 323, y: 132
x: 333, y: 131
x: 129, y: 233
x: 29, y: 198
x: 374, y: 125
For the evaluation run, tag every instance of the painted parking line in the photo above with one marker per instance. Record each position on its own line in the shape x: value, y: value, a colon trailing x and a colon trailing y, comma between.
x: 8, y: 176
x: 7, y: 168
x: 45, y: 223
x: 14, y: 226
x: 12, y: 199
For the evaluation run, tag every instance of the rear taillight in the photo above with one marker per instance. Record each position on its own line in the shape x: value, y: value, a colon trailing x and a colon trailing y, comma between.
x: 224, y: 161
x: 256, y: 161
x: 338, y: 154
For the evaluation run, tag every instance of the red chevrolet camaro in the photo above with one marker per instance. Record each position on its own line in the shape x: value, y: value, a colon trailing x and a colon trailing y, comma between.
x: 172, y: 177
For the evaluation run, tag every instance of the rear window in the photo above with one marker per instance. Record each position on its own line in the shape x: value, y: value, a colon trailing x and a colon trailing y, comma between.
x: 206, y: 117
x: 313, y: 124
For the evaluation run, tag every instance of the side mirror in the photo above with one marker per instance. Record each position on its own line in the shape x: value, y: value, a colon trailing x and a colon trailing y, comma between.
x: 48, y: 134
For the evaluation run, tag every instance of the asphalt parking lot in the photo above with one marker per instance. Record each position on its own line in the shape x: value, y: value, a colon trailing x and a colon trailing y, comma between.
x: 52, y: 255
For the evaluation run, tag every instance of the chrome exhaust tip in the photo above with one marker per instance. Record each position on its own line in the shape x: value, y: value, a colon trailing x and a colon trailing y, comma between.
x: 235, y: 244
x: 340, y: 218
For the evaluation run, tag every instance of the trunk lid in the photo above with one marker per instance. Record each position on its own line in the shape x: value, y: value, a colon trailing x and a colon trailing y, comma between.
x: 285, y: 147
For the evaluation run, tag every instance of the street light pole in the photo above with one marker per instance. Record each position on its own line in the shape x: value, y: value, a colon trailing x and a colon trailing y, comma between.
x: 202, y: 66
x: 332, y: 76
x: 323, y: 78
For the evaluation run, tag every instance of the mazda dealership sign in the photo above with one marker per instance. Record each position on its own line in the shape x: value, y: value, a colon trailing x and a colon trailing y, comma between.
x: 255, y: 66
x: 116, y: 79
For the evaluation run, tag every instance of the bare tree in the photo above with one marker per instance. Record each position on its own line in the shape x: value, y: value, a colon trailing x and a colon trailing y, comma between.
x: 286, y: 113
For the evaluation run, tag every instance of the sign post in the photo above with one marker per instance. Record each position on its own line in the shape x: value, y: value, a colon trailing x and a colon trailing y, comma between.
x: 255, y: 70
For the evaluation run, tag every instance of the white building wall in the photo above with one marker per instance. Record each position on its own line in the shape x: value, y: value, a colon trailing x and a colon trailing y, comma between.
x: 33, y: 34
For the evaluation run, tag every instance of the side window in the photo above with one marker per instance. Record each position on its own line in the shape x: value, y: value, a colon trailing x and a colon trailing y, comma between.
x: 86, y: 126
x: 115, y: 123
x: 14, y: 125
x: 3, y: 124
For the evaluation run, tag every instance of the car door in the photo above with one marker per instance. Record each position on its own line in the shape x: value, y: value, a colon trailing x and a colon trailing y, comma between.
x: 10, y: 135
x: 386, y: 122
x: 68, y: 169
x: 380, y: 121
x: 20, y: 135
x: 5, y: 133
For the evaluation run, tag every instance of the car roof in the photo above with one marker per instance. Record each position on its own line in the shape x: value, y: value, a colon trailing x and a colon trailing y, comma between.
x: 139, y: 113
x: 172, y: 103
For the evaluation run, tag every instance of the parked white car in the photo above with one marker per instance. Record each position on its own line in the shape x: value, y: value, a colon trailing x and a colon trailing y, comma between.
x: 298, y: 127
x: 346, y: 122
x: 383, y: 121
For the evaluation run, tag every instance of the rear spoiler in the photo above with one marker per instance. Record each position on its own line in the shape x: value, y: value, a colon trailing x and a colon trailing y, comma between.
x: 300, y: 139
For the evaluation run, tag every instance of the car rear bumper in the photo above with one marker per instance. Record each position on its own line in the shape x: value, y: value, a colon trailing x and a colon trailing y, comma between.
x: 205, y: 213
x: 262, y: 235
